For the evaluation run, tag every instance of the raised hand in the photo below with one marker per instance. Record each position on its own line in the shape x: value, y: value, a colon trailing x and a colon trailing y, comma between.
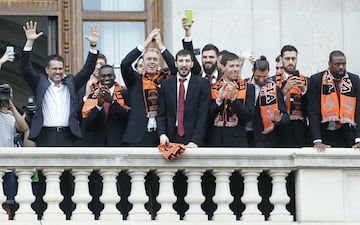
x: 30, y: 31
x: 151, y: 37
x: 94, y: 34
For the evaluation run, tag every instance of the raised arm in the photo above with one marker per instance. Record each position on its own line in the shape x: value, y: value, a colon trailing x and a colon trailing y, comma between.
x: 188, y: 45
x: 83, y: 75
x: 26, y: 67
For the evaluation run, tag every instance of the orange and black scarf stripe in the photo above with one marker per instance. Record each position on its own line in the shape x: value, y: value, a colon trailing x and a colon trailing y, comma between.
x: 150, y: 84
x: 92, y: 101
x: 337, y: 108
x: 227, y: 117
x: 268, y: 103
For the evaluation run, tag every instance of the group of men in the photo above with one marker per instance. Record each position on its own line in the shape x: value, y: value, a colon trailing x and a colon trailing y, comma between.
x: 208, y: 105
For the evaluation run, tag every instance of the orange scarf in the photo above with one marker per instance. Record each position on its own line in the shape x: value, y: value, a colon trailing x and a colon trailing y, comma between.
x: 150, y: 84
x: 337, y: 108
x: 92, y: 101
x: 228, y: 118
x: 293, y: 101
x: 268, y: 104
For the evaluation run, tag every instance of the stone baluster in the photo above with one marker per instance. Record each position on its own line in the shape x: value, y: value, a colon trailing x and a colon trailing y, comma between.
x: 279, y: 197
x: 166, y: 196
x: 223, y: 196
x: 251, y: 197
x: 138, y: 195
x: 194, y: 196
x: 53, y: 195
x: 25, y: 196
x: 110, y: 195
x: 81, y: 195
x: 3, y: 215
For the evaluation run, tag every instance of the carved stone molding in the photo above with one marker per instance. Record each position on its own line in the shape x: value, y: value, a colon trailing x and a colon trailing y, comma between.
x: 32, y: 4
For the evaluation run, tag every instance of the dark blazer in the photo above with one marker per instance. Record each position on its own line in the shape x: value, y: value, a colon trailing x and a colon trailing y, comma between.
x: 296, y: 132
x: 111, y: 132
x: 319, y: 130
x: 137, y: 123
x: 268, y: 140
x: 39, y: 84
x: 195, y: 109
x: 232, y: 136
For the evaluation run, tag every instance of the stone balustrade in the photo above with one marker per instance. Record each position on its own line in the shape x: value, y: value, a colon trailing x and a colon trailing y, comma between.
x: 326, y: 185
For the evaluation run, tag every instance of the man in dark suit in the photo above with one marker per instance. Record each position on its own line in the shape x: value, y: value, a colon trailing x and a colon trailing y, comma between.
x: 143, y: 90
x: 294, y: 88
x: 232, y: 105
x: 105, y: 111
x: 182, y: 116
x: 270, y: 111
x: 334, y: 105
x: 188, y: 126
x: 56, y: 121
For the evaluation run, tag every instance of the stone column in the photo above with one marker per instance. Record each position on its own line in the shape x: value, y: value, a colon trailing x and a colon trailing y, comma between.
x: 81, y: 195
x: 25, y: 196
x: 110, y: 195
x: 251, y: 197
x: 166, y: 196
x: 138, y: 195
x: 194, y: 196
x: 279, y: 197
x: 53, y: 195
x: 223, y: 196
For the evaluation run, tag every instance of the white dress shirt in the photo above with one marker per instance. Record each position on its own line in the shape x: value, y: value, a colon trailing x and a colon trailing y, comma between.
x: 56, y: 106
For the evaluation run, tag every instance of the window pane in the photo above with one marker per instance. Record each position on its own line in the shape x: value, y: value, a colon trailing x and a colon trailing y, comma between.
x: 113, y: 5
x: 12, y: 34
x: 116, y: 41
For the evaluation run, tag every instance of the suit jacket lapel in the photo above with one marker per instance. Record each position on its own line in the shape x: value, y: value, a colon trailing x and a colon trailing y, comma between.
x: 189, y: 93
x: 173, y: 94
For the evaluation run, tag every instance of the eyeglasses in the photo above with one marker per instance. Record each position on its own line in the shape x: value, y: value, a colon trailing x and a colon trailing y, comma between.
x: 279, y: 67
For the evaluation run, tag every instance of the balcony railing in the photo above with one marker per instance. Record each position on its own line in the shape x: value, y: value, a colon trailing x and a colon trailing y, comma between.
x: 326, y: 185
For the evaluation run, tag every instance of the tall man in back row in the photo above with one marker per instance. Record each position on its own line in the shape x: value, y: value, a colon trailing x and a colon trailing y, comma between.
x: 294, y: 88
x: 334, y: 105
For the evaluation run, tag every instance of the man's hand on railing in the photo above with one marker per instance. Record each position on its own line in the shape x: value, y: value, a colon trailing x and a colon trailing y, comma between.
x: 320, y: 147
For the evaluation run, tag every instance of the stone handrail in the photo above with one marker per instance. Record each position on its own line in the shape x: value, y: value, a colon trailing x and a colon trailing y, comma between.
x: 326, y: 184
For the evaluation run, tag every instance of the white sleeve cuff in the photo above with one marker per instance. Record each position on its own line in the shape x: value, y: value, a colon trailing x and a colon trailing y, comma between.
x: 317, y: 141
x: 93, y: 51
x: 27, y: 49
x: 187, y: 39
x: 99, y: 107
x: 141, y: 48
x: 218, y: 102
x: 357, y: 140
x: 162, y: 50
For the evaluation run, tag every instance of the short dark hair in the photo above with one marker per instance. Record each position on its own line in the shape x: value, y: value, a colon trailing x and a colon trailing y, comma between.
x: 229, y: 56
x: 288, y: 48
x: 336, y: 53
x: 185, y: 52
x: 278, y: 58
x: 261, y: 64
x: 209, y: 47
x: 54, y: 57
x: 102, y: 56
x: 223, y: 52
x: 106, y: 66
